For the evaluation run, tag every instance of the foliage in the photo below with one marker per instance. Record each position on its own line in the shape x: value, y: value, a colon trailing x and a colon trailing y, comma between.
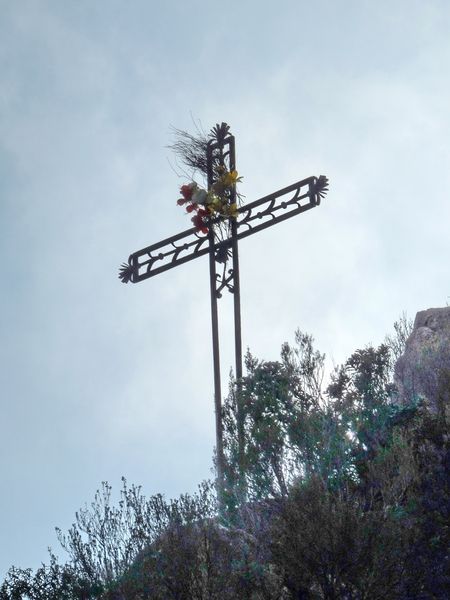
x: 329, y: 546
x: 52, y: 582
x: 396, y: 341
x: 292, y: 428
x: 430, y: 561
x: 344, y: 495
x: 279, y: 404
x: 105, y: 540
x: 200, y: 560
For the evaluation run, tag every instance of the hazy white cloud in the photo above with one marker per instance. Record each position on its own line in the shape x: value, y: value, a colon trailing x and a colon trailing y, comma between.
x: 101, y: 379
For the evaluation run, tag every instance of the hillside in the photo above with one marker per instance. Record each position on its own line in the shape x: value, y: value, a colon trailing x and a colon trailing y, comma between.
x: 344, y: 494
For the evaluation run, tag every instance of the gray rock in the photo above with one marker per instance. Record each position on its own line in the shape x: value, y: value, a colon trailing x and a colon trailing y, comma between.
x: 436, y: 319
x: 423, y: 371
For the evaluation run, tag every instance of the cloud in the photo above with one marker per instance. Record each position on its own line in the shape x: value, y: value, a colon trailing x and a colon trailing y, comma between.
x: 100, y: 379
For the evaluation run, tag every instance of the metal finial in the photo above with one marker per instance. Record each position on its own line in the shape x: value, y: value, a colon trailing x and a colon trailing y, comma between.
x: 220, y: 132
x: 322, y: 186
x: 125, y: 272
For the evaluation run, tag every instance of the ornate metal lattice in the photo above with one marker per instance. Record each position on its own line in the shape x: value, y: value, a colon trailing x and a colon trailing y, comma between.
x: 255, y: 216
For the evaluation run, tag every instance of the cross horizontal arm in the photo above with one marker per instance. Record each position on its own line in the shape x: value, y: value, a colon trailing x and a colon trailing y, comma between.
x: 168, y: 253
x: 279, y: 206
x: 252, y: 217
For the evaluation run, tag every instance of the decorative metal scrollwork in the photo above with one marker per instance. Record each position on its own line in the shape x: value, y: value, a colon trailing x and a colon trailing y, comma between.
x: 225, y: 280
x: 223, y: 252
x: 220, y: 157
x: 281, y: 205
x: 164, y: 255
x: 255, y: 216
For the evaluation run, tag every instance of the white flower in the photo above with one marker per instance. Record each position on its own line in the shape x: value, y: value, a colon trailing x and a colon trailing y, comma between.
x: 199, y: 196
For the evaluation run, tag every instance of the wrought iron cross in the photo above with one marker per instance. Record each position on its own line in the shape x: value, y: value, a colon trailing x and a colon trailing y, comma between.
x: 221, y: 244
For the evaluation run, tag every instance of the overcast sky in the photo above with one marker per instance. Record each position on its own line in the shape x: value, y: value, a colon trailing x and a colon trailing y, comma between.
x: 101, y: 379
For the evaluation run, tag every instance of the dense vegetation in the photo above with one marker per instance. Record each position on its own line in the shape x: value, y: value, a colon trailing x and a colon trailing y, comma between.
x: 343, y: 495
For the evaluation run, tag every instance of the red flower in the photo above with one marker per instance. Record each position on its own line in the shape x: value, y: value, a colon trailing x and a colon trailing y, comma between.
x: 187, y: 191
x: 191, y: 207
x: 181, y: 201
x: 199, y: 222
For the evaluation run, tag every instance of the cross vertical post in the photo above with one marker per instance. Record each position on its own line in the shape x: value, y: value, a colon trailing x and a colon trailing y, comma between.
x: 238, y: 356
x: 221, y: 157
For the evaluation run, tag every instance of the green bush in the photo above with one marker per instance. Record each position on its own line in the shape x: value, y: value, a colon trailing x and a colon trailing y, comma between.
x: 342, y: 495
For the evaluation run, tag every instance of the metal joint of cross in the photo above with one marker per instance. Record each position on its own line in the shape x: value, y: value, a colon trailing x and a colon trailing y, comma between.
x: 221, y: 244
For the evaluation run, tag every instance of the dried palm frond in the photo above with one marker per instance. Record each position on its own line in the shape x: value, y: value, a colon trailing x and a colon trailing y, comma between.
x: 191, y: 149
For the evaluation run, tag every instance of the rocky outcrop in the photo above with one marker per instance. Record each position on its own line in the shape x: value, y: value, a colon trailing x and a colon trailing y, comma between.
x: 423, y: 371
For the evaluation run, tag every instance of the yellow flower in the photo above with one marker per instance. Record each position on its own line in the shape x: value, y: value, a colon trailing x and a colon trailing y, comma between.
x: 229, y: 210
x: 233, y: 210
x: 231, y: 178
x: 213, y: 202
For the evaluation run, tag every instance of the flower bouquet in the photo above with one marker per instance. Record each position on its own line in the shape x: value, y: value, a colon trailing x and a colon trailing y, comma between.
x: 211, y: 203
